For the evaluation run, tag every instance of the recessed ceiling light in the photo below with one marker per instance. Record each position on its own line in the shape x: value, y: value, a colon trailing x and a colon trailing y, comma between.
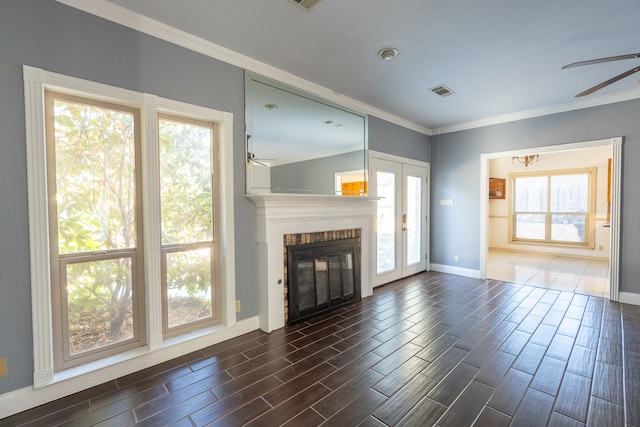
x: 387, y: 53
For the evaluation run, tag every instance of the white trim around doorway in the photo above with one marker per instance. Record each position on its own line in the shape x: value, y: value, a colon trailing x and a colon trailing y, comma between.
x: 616, y: 174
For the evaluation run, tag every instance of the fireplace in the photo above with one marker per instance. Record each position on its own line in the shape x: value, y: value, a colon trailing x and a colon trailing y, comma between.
x: 282, y: 215
x: 322, y: 275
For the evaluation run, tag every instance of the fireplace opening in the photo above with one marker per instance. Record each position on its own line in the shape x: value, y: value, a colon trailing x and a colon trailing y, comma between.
x: 322, y: 276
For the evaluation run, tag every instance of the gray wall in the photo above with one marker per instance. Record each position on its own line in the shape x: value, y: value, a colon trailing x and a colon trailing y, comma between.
x: 58, y: 38
x: 393, y: 139
x: 455, y: 174
x: 49, y: 35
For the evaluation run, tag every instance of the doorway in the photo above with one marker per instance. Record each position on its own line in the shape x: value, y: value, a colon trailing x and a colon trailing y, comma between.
x: 402, y: 223
x: 613, y: 222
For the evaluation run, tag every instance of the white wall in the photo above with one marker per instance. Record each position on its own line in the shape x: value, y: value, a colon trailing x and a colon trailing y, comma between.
x: 498, y: 232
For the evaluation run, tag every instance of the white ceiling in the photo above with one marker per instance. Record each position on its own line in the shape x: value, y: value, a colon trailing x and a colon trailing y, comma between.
x: 503, y: 58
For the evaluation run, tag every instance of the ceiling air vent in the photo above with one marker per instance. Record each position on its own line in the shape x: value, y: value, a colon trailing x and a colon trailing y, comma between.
x: 306, y: 4
x: 442, y: 90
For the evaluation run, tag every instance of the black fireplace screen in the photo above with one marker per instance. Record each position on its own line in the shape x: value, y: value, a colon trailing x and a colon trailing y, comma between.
x: 322, y: 276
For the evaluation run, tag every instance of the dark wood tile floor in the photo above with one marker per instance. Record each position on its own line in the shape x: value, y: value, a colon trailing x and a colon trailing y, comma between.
x: 434, y: 349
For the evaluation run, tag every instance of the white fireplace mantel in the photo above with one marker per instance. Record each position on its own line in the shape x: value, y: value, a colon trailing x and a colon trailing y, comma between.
x: 281, y: 214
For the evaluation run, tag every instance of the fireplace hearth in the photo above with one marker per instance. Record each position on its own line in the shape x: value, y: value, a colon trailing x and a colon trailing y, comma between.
x: 322, y: 276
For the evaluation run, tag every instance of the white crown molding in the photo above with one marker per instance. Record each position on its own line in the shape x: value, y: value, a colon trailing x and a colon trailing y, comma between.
x: 146, y: 25
x: 538, y: 112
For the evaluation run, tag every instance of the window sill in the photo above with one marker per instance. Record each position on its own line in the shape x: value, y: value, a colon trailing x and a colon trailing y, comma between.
x: 122, y: 364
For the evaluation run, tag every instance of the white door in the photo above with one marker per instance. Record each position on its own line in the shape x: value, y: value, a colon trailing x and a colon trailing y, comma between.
x: 402, y: 221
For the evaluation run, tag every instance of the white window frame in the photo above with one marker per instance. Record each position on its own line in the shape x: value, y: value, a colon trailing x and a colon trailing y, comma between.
x: 590, y: 215
x: 35, y: 82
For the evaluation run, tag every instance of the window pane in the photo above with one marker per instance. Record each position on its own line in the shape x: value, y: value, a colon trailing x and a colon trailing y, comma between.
x: 386, y: 221
x: 531, y: 194
x: 188, y: 286
x: 568, y: 228
x: 95, y: 177
x: 100, y: 305
x: 530, y: 226
x: 185, y: 173
x: 414, y: 215
x: 569, y: 193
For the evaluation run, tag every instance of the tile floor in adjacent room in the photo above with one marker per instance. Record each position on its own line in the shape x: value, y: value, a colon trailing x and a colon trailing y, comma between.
x: 583, y: 276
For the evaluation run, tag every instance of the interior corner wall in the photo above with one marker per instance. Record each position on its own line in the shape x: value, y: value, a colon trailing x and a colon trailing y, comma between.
x: 455, y: 172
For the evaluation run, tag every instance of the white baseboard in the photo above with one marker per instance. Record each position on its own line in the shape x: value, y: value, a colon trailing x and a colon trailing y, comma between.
x: 629, y: 298
x: 467, y: 272
x: 20, y: 400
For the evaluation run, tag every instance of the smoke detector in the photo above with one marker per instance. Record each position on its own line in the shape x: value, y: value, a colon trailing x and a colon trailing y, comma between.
x: 442, y: 90
x: 306, y: 4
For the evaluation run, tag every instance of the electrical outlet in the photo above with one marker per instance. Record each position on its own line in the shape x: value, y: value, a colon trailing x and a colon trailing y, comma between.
x: 456, y: 258
x: 237, y: 306
x: 3, y: 367
x: 601, y: 248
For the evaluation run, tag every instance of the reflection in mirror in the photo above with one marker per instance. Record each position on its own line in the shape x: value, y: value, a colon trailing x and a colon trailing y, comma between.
x: 300, y: 143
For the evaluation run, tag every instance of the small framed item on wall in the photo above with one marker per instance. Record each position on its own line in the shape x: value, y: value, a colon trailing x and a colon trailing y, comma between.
x: 497, y: 188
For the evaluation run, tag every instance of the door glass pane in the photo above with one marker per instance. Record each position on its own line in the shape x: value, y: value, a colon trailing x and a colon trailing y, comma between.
x: 414, y: 223
x: 306, y: 288
x: 386, y: 239
x: 100, y: 303
x: 322, y: 288
x: 185, y: 172
x: 95, y: 177
x: 188, y: 286
x: 348, y: 275
x: 335, y: 277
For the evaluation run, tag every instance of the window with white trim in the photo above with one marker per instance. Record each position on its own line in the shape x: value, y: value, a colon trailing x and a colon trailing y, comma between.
x: 93, y: 175
x: 553, y: 207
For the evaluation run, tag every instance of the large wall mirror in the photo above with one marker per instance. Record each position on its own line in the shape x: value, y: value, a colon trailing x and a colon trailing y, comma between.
x: 299, y: 143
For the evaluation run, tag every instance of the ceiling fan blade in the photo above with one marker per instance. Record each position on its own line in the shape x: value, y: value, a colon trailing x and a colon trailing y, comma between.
x: 608, y: 82
x: 601, y: 60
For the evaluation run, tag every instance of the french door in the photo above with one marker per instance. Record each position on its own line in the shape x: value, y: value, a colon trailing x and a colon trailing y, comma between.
x: 402, y: 217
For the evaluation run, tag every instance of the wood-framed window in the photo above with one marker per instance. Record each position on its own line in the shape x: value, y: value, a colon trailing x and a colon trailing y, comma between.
x: 60, y: 266
x: 95, y: 226
x: 188, y: 190
x: 553, y: 207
